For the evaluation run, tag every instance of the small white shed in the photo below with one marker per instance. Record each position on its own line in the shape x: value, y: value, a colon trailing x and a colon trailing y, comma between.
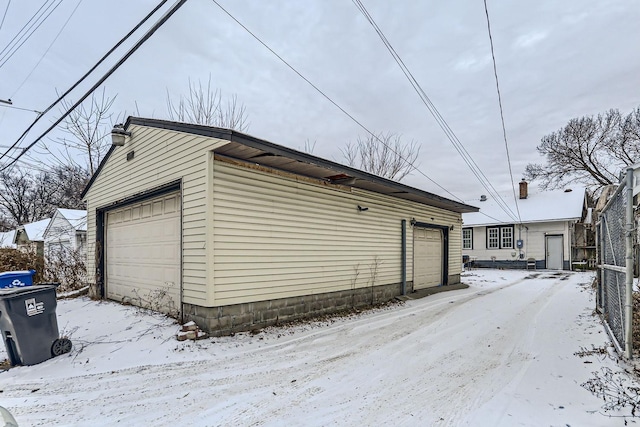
x: 235, y: 232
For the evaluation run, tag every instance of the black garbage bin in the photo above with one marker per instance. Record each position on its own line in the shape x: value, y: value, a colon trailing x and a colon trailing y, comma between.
x: 29, y: 326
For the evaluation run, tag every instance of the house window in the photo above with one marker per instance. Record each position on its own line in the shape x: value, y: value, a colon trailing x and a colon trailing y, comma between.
x: 467, y: 238
x: 493, y: 240
x: 506, y: 237
x: 500, y: 237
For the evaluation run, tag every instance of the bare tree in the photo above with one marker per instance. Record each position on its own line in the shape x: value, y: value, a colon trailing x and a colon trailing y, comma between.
x: 590, y: 150
x: 384, y: 154
x: 22, y: 198
x: 203, y: 105
x: 27, y: 197
x: 87, y: 130
x: 309, y: 146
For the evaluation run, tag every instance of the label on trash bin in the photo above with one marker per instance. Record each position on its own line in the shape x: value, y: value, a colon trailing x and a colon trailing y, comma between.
x: 34, y: 307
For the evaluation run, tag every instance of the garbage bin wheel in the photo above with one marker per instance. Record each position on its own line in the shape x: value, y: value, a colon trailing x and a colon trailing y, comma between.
x: 61, y: 346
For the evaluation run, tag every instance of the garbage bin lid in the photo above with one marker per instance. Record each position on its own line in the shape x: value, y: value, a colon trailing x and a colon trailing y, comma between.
x: 7, y: 274
x: 13, y: 292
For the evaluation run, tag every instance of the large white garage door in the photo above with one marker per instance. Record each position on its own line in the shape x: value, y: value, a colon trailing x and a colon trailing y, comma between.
x: 142, y: 254
x: 427, y: 258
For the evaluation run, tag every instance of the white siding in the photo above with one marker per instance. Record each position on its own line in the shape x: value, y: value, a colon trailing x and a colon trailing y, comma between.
x: 533, y: 236
x: 161, y: 157
x: 277, y: 236
x: 59, y: 234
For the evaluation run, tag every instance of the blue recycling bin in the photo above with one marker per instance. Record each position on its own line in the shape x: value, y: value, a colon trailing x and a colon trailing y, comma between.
x: 16, y: 279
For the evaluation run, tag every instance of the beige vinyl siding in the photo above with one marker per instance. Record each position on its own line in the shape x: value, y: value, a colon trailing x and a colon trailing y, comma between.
x: 161, y: 157
x: 278, y: 237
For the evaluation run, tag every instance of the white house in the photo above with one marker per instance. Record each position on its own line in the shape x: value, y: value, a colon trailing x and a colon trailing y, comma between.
x: 67, y: 230
x: 30, y: 237
x: 7, y: 239
x: 541, y: 237
x: 235, y: 232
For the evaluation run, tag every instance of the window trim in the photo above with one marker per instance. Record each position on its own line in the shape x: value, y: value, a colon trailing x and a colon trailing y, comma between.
x: 500, y: 229
x: 502, y: 237
x: 470, y: 239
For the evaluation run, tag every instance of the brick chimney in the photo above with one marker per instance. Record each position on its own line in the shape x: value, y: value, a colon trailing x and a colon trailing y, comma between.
x: 524, y: 192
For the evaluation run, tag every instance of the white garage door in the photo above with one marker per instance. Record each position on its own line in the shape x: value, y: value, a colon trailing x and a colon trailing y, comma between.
x: 142, y: 254
x: 427, y: 258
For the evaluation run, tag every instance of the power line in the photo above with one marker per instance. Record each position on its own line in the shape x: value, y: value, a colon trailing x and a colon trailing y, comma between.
x: 332, y: 101
x: 24, y: 37
x: 5, y: 14
x: 475, y: 169
x: 48, y: 48
x: 76, y: 84
x: 18, y: 108
x: 122, y: 60
x: 25, y: 25
x: 504, y: 130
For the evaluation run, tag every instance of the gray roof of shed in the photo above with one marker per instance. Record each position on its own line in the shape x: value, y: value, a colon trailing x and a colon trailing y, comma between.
x: 251, y: 149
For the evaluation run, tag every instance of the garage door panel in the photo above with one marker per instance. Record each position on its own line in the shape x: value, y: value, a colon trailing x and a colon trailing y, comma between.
x: 143, y: 254
x: 427, y: 258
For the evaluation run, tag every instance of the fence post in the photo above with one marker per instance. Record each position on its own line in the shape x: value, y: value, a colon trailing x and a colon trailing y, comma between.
x: 629, y: 267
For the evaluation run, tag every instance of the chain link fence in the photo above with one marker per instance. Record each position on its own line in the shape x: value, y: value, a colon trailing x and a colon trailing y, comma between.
x: 611, y: 296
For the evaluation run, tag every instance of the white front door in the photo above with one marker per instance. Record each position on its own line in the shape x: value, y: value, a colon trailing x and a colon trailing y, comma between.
x: 555, y: 258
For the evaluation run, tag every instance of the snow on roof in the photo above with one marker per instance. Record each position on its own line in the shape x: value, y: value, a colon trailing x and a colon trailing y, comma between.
x: 6, y: 239
x: 77, y: 218
x: 539, y: 206
x: 35, y: 230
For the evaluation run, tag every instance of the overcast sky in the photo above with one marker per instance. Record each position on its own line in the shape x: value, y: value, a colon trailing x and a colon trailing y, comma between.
x: 556, y: 60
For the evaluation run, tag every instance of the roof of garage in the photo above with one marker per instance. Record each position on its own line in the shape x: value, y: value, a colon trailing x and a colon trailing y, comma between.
x: 248, y: 148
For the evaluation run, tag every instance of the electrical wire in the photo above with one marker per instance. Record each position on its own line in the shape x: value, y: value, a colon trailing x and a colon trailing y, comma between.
x: 76, y: 84
x: 25, y: 25
x: 122, y: 60
x: 47, y: 50
x: 356, y: 121
x: 4, y: 15
x: 19, y: 108
x: 24, y: 37
x: 475, y: 169
x: 504, y: 129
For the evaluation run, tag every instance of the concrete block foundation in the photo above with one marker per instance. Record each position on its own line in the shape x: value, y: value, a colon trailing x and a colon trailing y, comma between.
x: 228, y: 319
x: 224, y: 320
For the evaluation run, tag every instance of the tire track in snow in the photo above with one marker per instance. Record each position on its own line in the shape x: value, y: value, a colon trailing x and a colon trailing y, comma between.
x: 247, y: 380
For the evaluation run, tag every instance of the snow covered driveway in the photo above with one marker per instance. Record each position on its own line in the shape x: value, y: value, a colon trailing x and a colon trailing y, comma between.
x: 498, y: 353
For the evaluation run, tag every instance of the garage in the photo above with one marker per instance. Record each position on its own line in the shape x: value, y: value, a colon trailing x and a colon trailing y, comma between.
x: 236, y: 233
x: 143, y: 246
x: 427, y: 257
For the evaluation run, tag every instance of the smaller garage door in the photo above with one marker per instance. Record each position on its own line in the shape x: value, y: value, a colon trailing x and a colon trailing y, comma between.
x: 427, y: 258
x: 142, y: 254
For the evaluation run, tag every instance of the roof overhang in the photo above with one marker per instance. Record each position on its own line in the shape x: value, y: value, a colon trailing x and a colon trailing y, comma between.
x: 247, y: 148
x: 524, y: 223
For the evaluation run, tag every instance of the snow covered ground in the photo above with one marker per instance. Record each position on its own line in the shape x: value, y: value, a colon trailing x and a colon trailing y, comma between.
x: 500, y: 353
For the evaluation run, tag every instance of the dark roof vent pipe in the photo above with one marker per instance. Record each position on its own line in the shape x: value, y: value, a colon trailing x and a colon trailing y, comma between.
x: 483, y: 198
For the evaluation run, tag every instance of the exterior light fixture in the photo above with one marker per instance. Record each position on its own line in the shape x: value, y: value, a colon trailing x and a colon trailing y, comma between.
x: 118, y: 136
x: 362, y: 209
x: 6, y: 101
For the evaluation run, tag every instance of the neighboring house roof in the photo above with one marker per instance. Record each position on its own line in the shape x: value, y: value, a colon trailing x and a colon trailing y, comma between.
x: 35, y: 230
x: 7, y: 238
x: 77, y: 218
x: 539, y: 206
x: 248, y: 148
